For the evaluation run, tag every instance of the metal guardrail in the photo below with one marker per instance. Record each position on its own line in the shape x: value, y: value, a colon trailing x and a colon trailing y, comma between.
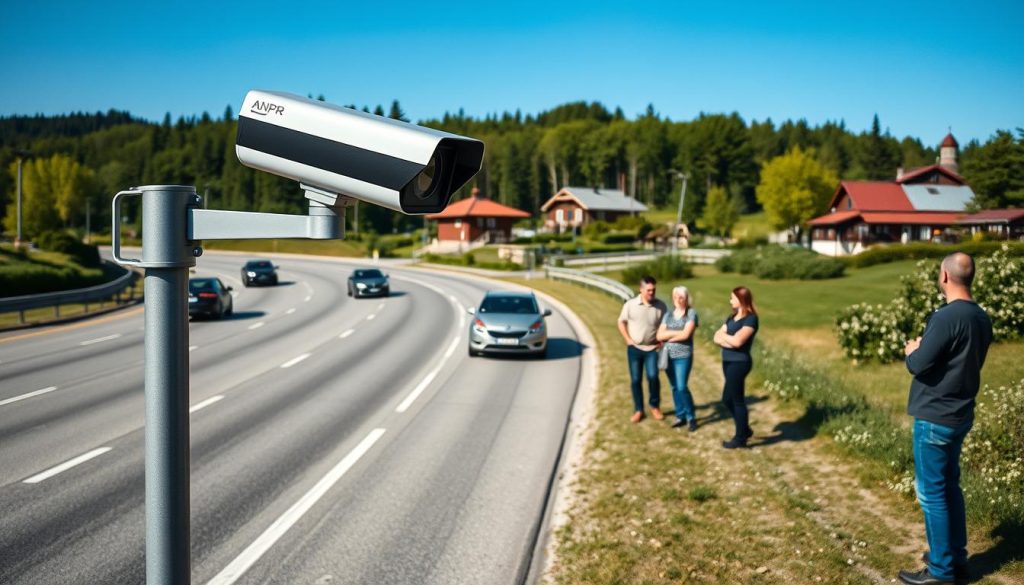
x: 618, y: 259
x: 612, y: 287
x: 93, y: 294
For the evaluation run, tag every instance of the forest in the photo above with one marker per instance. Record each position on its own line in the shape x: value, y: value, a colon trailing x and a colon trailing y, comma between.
x: 77, y: 161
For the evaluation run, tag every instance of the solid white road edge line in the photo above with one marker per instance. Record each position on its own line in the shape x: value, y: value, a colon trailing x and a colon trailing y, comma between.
x: 101, y: 339
x: 205, y: 403
x: 27, y: 395
x: 262, y: 544
x: 427, y: 380
x: 256, y: 325
x: 294, y: 361
x: 346, y: 333
x: 66, y: 465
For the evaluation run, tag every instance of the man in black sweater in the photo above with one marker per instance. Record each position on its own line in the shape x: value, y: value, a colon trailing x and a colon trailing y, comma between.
x: 946, y: 364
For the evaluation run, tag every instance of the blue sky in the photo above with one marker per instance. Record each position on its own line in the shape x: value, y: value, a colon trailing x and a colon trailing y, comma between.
x: 921, y: 66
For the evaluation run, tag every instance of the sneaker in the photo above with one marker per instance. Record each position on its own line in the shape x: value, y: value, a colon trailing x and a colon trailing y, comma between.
x: 734, y: 443
x: 656, y: 413
x: 922, y: 577
x: 679, y: 422
x: 693, y: 425
x: 637, y: 417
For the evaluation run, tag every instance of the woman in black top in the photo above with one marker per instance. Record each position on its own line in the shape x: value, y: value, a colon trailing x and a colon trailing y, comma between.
x: 736, y: 336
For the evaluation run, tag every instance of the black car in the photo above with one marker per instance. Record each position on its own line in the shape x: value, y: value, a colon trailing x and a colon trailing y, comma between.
x: 259, y: 272
x: 209, y: 297
x: 368, y: 282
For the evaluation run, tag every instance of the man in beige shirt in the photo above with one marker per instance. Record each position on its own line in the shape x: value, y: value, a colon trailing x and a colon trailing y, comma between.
x: 638, y: 324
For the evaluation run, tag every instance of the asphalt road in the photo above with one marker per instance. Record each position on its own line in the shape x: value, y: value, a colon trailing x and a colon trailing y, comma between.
x: 333, y: 440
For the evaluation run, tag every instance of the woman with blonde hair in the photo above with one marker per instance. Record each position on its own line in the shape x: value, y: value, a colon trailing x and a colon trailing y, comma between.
x: 676, y: 332
x: 736, y: 336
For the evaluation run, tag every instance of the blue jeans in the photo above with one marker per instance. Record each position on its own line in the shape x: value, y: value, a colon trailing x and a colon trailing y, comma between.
x: 937, y: 467
x: 678, y: 375
x: 647, y: 361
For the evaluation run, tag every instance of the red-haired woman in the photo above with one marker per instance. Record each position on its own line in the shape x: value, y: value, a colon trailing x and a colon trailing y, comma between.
x: 736, y: 336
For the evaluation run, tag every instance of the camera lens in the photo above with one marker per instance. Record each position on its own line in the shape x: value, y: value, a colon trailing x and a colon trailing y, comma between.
x: 424, y: 182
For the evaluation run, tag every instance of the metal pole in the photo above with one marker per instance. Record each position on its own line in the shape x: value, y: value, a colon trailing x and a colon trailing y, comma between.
x: 166, y: 258
x: 17, y: 237
x: 679, y: 216
x: 87, y: 218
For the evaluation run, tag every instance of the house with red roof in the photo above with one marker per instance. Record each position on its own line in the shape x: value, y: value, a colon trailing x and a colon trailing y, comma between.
x: 473, y: 222
x: 925, y: 204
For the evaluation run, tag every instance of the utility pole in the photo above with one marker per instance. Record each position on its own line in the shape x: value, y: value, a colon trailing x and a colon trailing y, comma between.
x: 88, y: 210
x: 679, y: 211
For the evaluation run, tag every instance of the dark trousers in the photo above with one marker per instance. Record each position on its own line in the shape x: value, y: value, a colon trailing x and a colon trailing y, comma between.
x: 643, y: 362
x: 734, y: 394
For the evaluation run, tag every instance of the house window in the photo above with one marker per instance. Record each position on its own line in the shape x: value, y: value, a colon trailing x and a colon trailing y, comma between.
x: 560, y: 215
x: 579, y: 215
x: 849, y: 203
x: 491, y: 222
x: 479, y: 222
x: 458, y: 224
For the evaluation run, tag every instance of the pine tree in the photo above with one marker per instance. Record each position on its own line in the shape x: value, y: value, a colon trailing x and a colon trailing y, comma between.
x: 396, y: 112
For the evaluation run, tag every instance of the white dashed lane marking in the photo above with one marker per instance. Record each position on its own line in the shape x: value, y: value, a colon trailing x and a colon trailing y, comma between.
x: 27, y: 395
x: 295, y: 360
x: 67, y: 465
x: 101, y: 339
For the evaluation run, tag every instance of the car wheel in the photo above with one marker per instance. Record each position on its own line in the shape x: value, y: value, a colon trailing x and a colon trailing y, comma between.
x: 231, y: 309
x: 350, y: 291
x: 541, y: 354
x: 274, y: 282
x: 472, y: 353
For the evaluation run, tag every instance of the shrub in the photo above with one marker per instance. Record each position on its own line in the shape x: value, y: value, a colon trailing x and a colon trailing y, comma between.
x: 882, y: 254
x: 776, y: 263
x: 618, y: 238
x: 596, y: 228
x: 879, y: 332
x: 65, y: 243
x: 663, y: 269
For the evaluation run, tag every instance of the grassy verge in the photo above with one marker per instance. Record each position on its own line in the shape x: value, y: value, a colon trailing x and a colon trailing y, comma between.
x: 655, y: 505
x: 341, y: 248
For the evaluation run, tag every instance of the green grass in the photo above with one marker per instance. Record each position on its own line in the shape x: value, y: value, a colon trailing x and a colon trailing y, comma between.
x: 752, y: 226
x: 341, y: 248
x: 654, y: 505
x: 798, y: 315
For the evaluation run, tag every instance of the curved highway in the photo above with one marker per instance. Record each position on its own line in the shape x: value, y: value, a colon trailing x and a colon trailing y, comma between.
x: 334, y: 440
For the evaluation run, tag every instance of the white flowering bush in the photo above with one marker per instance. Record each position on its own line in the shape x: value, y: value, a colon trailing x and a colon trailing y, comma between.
x: 878, y: 332
x: 993, y: 454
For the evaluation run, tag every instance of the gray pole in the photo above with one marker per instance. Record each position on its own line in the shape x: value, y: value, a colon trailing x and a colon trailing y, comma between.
x: 17, y: 237
x: 679, y: 212
x: 166, y: 258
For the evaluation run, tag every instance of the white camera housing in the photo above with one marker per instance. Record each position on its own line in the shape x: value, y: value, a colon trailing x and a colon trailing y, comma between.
x: 379, y: 160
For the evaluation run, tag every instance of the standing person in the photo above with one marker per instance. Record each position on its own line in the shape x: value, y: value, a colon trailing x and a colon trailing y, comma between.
x: 736, y: 336
x: 638, y: 324
x: 946, y: 364
x: 676, y: 331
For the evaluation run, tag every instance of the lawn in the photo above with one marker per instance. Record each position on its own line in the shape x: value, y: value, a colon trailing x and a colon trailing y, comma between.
x: 798, y: 315
x: 654, y: 505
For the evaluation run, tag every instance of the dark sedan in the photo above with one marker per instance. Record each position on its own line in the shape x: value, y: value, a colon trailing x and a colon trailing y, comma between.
x: 259, y: 272
x: 209, y: 297
x: 368, y: 282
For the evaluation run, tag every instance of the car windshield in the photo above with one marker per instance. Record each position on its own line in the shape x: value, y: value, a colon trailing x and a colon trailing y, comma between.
x: 258, y: 264
x: 201, y: 284
x: 371, y: 273
x: 516, y: 305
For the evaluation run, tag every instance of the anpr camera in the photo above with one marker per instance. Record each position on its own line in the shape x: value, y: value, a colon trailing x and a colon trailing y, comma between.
x: 339, y: 150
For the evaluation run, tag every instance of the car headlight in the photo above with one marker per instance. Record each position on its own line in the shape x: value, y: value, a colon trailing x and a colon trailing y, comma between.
x: 479, y: 326
x: 250, y: 274
x: 537, y: 326
x: 360, y: 285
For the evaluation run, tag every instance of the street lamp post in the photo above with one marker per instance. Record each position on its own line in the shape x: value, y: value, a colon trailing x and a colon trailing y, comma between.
x: 679, y: 211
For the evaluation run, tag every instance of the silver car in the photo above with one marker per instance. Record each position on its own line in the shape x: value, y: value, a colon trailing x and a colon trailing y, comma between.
x: 508, y: 323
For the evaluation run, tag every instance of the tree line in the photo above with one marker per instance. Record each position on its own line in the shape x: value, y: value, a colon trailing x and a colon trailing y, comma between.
x: 83, y: 159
